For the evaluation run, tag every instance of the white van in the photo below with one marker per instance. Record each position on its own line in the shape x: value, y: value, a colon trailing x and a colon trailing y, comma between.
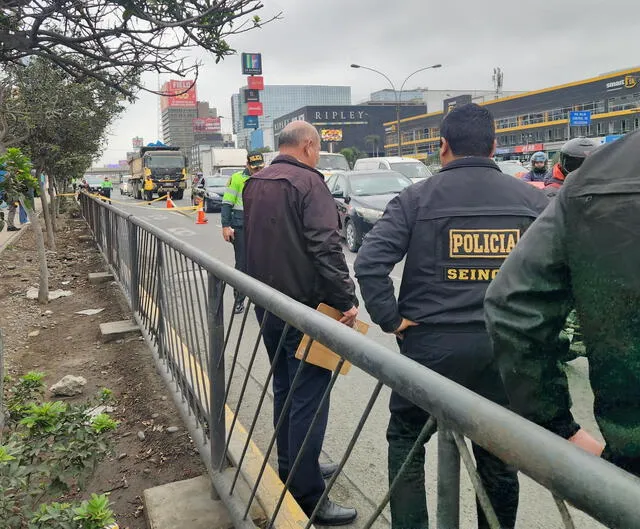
x: 410, y: 167
x: 328, y: 163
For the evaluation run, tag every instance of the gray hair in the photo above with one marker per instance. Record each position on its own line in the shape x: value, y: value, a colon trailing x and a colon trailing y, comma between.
x: 297, y: 132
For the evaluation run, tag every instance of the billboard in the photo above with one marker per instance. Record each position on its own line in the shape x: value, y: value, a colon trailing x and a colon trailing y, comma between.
x: 137, y: 142
x: 251, y: 95
x: 251, y: 64
x: 331, y: 134
x: 254, y: 109
x: 255, y: 82
x: 251, y: 122
x: 207, y: 125
x: 180, y: 94
x: 453, y: 102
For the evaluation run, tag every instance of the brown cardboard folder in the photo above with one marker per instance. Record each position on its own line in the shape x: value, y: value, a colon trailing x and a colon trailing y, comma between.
x: 322, y: 356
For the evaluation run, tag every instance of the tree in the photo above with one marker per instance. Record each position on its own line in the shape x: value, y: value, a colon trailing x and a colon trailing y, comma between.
x: 351, y: 154
x: 63, y: 124
x: 19, y: 184
x: 374, y: 141
x: 110, y: 40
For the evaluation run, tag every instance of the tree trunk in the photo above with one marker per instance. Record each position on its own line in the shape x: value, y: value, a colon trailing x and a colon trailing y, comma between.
x: 47, y: 216
x: 43, y: 288
x: 52, y: 204
x: 1, y: 385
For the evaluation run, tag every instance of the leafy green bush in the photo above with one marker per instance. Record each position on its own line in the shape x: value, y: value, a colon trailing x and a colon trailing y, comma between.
x: 48, y: 448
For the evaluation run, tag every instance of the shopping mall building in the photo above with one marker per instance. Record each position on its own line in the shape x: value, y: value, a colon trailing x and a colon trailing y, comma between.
x: 538, y: 120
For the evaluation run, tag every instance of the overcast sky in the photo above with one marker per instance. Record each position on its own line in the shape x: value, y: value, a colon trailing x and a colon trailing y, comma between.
x: 537, y: 44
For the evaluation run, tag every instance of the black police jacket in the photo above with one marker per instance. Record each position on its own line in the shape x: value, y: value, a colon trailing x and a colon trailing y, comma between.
x: 291, y: 235
x: 582, y: 251
x: 455, y: 228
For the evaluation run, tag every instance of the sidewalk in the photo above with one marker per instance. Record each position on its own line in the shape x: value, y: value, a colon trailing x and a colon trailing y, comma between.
x: 7, y: 237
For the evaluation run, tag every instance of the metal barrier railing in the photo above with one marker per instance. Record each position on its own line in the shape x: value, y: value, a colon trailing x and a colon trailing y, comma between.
x: 177, y: 294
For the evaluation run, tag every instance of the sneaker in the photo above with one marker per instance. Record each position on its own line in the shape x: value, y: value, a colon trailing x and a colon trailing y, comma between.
x: 13, y: 228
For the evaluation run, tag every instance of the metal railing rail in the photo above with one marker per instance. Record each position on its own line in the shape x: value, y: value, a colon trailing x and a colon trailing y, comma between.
x: 162, y: 276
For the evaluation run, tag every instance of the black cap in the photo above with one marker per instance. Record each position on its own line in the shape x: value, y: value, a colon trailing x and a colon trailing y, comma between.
x: 255, y: 159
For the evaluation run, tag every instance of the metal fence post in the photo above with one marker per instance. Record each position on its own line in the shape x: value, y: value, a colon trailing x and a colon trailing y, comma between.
x: 215, y: 320
x: 160, y: 295
x: 134, y: 273
x: 448, y: 481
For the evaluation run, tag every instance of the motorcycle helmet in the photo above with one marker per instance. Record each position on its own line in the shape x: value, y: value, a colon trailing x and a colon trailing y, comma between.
x: 574, y: 152
x: 539, y: 157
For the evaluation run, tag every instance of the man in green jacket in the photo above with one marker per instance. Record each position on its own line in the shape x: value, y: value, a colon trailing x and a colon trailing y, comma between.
x: 580, y: 252
x: 232, y: 216
x: 105, y: 187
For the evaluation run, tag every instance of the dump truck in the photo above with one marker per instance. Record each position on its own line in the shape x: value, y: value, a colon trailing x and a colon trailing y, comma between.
x: 158, y: 169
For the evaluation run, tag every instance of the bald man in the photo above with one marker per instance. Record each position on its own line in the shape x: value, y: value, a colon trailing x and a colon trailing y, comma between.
x: 292, y: 244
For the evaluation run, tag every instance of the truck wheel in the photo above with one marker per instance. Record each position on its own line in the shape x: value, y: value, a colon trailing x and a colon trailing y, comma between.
x: 148, y: 196
x: 137, y: 193
x: 179, y: 194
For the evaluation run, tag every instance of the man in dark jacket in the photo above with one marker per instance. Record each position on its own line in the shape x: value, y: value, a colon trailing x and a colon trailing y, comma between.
x: 572, y: 155
x: 538, y: 171
x: 455, y: 229
x: 292, y: 244
x: 581, y: 251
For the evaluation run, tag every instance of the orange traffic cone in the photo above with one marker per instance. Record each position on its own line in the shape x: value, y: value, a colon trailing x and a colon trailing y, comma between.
x: 170, y: 203
x: 201, y: 217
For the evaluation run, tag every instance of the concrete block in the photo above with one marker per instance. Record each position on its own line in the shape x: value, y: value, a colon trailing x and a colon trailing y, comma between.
x: 193, y: 503
x: 118, y: 330
x: 100, y: 277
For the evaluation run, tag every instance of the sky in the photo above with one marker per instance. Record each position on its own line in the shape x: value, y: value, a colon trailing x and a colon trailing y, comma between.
x: 536, y: 45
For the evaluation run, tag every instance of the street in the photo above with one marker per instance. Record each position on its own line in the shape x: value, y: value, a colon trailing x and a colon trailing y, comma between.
x: 364, y: 482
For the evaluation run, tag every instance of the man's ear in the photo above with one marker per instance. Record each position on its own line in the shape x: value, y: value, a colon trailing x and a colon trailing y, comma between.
x: 444, y: 147
x: 493, y: 148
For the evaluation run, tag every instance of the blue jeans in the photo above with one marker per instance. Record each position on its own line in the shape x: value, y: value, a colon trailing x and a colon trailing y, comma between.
x: 306, y: 484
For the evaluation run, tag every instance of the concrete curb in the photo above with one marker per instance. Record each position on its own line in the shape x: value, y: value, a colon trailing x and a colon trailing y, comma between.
x: 14, y: 237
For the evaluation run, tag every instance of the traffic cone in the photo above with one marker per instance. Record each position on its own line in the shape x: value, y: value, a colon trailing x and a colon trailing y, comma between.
x: 201, y: 217
x: 170, y: 203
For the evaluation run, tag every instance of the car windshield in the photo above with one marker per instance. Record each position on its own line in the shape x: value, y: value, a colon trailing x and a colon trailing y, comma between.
x: 164, y: 162
x: 329, y: 162
x: 216, y: 181
x: 228, y: 171
x: 512, y: 169
x: 411, y: 170
x: 94, y: 180
x: 378, y: 184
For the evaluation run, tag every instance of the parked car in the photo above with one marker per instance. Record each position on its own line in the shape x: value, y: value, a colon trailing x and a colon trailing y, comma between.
x: 512, y: 168
x: 409, y: 167
x: 209, y: 190
x: 95, y: 183
x: 361, y: 198
x: 125, y: 187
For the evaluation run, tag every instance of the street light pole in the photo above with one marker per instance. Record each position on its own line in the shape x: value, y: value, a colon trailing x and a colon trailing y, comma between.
x: 397, y: 94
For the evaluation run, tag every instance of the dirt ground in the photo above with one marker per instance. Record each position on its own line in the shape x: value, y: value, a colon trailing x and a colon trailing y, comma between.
x: 69, y: 343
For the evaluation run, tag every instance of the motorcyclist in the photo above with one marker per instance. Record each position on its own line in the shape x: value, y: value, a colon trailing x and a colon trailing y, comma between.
x: 538, y: 171
x: 572, y: 154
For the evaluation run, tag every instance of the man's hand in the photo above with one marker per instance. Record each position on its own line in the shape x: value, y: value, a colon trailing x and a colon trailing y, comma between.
x: 228, y: 234
x: 584, y: 440
x: 349, y: 317
x: 404, y: 325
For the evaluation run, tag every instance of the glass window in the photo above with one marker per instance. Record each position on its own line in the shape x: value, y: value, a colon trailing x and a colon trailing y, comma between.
x: 340, y: 185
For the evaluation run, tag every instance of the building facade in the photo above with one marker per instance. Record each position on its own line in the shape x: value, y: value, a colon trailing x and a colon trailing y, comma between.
x: 340, y: 126
x: 278, y: 100
x: 538, y: 120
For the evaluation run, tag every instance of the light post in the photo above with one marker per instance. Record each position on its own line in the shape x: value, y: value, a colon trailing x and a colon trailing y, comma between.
x: 398, y: 94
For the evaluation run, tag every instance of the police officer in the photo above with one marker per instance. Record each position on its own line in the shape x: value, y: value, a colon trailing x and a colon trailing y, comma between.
x: 538, y: 171
x: 572, y: 154
x: 232, y: 216
x: 455, y: 229
x: 105, y: 187
x: 580, y: 251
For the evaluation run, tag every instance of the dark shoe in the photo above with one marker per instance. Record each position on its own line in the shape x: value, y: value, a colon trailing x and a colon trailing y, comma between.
x: 13, y: 228
x: 239, y: 307
x: 330, y: 513
x: 328, y: 470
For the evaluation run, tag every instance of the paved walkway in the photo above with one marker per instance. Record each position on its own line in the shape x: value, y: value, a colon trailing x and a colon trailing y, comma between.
x: 7, y: 237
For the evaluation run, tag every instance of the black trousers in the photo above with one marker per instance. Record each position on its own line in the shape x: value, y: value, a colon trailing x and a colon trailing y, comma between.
x: 240, y: 253
x: 465, y: 356
x: 307, y: 484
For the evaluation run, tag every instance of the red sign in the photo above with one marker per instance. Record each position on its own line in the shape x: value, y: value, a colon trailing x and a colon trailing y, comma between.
x: 254, y: 109
x: 532, y: 147
x: 211, y: 125
x: 179, y: 94
x: 255, y: 82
